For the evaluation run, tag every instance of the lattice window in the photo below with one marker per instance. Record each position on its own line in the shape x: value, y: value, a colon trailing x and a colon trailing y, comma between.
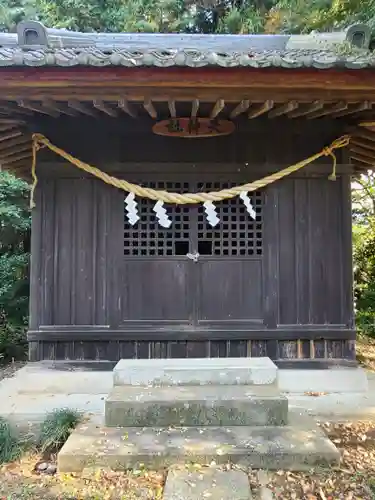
x: 237, y: 234
x: 148, y: 238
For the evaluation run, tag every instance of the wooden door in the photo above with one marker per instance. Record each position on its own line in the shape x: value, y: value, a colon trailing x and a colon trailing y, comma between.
x: 165, y: 288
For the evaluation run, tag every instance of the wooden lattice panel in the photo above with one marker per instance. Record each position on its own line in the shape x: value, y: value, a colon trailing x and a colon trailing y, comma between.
x: 237, y: 234
x: 148, y: 238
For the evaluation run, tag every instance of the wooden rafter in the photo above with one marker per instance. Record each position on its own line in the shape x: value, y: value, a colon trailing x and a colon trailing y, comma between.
x: 126, y: 107
x: 260, y: 110
x: 362, y: 144
x: 7, y: 128
x: 82, y: 108
x: 13, y: 159
x: 305, y: 110
x: 14, y: 142
x: 20, y: 148
x: 12, y: 109
x: 10, y: 135
x: 58, y: 108
x: 172, y: 108
x: 340, y: 106
x: 105, y: 108
x: 194, y: 108
x: 217, y: 109
x: 38, y: 108
x: 363, y: 106
x: 283, y: 109
x: 361, y: 133
x: 366, y: 160
x: 149, y: 107
x: 240, y: 108
x: 362, y: 152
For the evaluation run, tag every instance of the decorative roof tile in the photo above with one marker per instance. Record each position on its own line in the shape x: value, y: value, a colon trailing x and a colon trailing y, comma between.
x: 34, y: 45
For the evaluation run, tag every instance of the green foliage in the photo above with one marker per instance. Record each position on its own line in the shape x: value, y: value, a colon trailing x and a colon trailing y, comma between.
x: 13, y: 343
x: 56, y: 428
x: 10, y: 447
x: 14, y: 249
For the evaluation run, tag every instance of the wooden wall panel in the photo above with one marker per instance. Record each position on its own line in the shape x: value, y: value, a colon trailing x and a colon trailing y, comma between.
x: 301, y: 284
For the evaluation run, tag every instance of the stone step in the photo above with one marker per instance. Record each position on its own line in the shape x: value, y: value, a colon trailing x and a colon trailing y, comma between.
x: 292, y: 447
x: 195, y: 406
x: 195, y: 371
x: 209, y: 482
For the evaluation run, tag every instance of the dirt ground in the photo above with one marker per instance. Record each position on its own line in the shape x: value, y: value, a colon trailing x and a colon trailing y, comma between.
x: 354, y: 479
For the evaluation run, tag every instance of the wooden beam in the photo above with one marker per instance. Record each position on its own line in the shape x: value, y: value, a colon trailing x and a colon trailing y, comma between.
x: 240, y: 108
x: 172, y: 108
x: 58, y: 108
x: 260, y: 110
x: 180, y: 77
x: 82, y: 108
x: 105, y: 108
x: 13, y: 159
x: 361, y: 144
x: 363, y: 106
x: 126, y: 107
x: 362, y: 152
x: 282, y: 110
x: 340, y: 106
x: 194, y: 108
x: 34, y: 106
x: 10, y: 135
x: 217, y: 109
x: 303, y: 111
x: 14, y: 142
x: 149, y: 107
x: 362, y: 133
x: 15, y: 150
x: 11, y: 108
x: 3, y: 128
x: 366, y: 160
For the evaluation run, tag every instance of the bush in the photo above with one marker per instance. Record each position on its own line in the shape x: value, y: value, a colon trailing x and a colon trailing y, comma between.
x: 13, y: 343
x: 56, y: 428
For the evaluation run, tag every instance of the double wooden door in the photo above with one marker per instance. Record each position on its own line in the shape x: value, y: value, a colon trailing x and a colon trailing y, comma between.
x: 192, y: 276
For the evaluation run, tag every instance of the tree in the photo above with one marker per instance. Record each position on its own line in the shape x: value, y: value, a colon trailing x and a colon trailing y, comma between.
x: 14, y: 249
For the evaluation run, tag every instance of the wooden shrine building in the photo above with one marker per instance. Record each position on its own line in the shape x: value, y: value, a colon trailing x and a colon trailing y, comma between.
x: 265, y: 272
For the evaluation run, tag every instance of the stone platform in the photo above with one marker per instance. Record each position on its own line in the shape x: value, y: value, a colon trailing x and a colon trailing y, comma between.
x: 195, y: 406
x: 162, y: 413
x: 195, y: 371
x: 298, y: 446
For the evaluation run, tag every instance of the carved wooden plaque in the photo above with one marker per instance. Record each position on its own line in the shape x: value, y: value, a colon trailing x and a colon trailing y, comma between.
x: 193, y: 128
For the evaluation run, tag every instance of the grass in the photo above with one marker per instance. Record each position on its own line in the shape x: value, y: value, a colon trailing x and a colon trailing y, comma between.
x: 11, y: 448
x: 56, y: 429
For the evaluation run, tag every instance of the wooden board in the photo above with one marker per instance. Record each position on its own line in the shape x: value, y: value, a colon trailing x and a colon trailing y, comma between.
x: 190, y: 128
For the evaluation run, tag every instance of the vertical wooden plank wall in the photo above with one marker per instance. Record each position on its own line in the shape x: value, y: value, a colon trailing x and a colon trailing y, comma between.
x: 77, y: 265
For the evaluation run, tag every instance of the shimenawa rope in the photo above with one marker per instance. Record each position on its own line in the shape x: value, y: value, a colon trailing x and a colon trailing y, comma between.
x: 40, y: 141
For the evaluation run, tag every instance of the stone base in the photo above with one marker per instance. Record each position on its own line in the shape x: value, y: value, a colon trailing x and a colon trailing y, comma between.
x: 337, y: 379
x: 298, y: 446
x: 195, y: 371
x: 195, y: 406
x: 208, y: 482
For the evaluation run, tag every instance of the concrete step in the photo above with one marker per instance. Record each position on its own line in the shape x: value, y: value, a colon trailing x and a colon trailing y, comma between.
x: 293, y: 447
x: 195, y: 406
x: 195, y: 371
x: 209, y: 482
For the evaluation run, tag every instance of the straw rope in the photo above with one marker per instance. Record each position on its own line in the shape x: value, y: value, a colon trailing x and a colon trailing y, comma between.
x: 40, y: 141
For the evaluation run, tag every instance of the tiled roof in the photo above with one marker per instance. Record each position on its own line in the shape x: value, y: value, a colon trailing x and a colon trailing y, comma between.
x: 92, y: 56
x: 35, y: 45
